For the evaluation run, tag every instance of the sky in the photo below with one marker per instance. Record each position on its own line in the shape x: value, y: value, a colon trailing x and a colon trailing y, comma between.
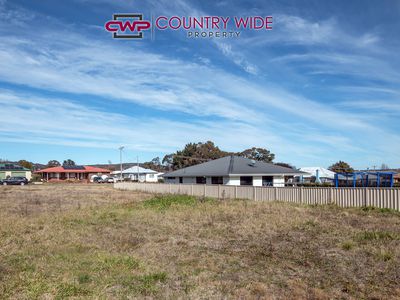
x: 323, y: 85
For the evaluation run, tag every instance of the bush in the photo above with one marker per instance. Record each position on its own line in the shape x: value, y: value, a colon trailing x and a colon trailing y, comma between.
x: 36, y: 178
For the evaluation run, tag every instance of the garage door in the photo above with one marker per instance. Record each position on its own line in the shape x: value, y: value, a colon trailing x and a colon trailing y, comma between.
x: 18, y: 174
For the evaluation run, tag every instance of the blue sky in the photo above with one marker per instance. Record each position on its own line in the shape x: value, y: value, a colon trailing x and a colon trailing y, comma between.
x: 322, y: 86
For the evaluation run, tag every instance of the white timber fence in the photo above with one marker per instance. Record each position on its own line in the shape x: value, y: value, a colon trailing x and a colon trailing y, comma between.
x: 343, y: 197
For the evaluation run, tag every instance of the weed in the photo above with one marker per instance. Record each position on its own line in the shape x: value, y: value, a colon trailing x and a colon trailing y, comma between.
x: 385, y: 255
x: 145, y: 284
x: 84, y: 278
x: 347, y: 245
x: 66, y: 290
x: 376, y: 235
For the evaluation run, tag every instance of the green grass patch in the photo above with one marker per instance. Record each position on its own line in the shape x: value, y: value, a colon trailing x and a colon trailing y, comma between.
x: 380, y: 210
x: 84, y: 278
x: 164, y: 202
x: 146, y: 284
x: 376, y: 236
x: 67, y: 290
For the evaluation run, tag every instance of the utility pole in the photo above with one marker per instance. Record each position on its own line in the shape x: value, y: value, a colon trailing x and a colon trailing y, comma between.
x: 137, y: 160
x: 120, y: 160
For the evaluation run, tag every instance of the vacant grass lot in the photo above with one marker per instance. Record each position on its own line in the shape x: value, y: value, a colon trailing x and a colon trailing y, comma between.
x: 90, y: 241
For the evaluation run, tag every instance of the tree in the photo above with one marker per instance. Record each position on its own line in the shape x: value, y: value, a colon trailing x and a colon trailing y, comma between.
x: 260, y: 154
x: 384, y: 167
x: 154, y: 164
x: 168, y: 160
x: 156, y: 161
x: 341, y: 167
x: 53, y: 163
x: 193, y: 154
x: 286, y: 165
x: 25, y: 164
x: 69, y: 163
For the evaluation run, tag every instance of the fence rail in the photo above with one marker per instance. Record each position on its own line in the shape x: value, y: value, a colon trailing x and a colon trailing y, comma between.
x: 344, y: 197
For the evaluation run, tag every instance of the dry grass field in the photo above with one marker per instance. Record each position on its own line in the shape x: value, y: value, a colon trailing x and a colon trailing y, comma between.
x: 91, y: 241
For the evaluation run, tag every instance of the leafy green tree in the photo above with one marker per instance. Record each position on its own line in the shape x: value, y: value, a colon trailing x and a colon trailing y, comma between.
x: 69, y: 163
x: 168, y: 160
x: 193, y: 154
x: 26, y: 164
x: 53, y: 163
x: 260, y: 154
x: 341, y: 167
x: 154, y: 164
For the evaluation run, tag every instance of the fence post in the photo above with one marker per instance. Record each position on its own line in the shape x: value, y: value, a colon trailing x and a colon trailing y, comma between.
x: 219, y: 187
x: 205, y: 186
x: 170, y: 188
x: 254, y: 193
x: 191, y: 189
x: 275, y: 194
x: 235, y: 192
x: 331, y: 195
x: 301, y: 195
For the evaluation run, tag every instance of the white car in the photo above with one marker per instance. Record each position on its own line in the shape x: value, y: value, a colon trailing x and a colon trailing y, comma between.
x: 110, y: 180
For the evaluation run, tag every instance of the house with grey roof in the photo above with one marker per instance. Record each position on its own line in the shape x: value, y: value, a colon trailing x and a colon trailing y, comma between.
x: 233, y: 170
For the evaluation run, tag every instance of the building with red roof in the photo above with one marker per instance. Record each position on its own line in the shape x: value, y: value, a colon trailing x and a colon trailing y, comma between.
x: 71, y: 173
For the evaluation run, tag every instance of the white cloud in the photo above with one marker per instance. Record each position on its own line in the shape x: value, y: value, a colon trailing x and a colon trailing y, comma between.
x: 236, y: 57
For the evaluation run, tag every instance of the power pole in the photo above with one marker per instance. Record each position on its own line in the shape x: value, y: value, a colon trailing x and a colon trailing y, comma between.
x: 120, y: 160
x: 137, y: 160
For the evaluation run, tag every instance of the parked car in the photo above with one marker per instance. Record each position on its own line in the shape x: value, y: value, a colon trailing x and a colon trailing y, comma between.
x: 110, y: 179
x: 98, y: 180
x: 15, y: 181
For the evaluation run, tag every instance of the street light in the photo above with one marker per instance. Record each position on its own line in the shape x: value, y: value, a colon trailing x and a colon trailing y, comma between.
x: 120, y: 160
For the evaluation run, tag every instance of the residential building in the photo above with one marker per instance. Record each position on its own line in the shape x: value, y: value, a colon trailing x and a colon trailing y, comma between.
x: 316, y: 174
x: 71, y: 173
x: 145, y: 175
x: 14, y: 170
x: 233, y: 170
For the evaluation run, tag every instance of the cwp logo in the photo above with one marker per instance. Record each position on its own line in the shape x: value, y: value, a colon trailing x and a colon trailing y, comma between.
x: 127, y: 26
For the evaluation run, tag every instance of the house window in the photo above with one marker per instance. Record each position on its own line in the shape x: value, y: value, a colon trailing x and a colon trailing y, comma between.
x: 151, y: 175
x: 201, y: 180
x: 267, y: 181
x: 180, y: 179
x: 217, y: 180
x: 246, y: 180
x: 171, y: 178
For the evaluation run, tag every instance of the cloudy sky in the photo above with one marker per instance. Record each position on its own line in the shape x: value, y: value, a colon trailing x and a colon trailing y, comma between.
x: 322, y: 86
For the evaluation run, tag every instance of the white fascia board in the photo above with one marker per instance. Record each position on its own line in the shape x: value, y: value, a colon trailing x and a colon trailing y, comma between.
x: 269, y: 174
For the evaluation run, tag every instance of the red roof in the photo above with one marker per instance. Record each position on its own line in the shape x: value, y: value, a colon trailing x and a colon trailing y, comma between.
x: 81, y: 169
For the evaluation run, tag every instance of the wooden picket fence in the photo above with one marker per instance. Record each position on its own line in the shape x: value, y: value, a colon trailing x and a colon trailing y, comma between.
x: 343, y: 197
